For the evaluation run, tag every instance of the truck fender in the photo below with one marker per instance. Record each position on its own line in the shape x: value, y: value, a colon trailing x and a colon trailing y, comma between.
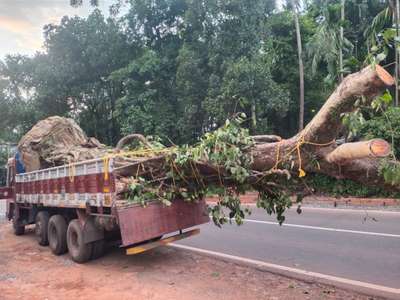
x: 91, y: 232
x: 10, y: 210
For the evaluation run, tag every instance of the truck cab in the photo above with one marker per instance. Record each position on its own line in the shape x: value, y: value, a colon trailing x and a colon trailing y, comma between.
x: 6, y: 189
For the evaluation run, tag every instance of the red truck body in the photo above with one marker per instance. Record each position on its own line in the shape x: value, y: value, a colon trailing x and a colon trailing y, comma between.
x: 84, y: 194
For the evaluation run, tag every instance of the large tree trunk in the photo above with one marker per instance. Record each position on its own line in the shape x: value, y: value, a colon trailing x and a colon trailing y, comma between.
x: 57, y: 140
x: 317, y: 141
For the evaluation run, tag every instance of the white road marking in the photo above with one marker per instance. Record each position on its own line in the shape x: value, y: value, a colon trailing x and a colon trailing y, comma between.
x: 325, y: 228
x: 361, y: 209
x: 351, y: 210
x: 278, y: 268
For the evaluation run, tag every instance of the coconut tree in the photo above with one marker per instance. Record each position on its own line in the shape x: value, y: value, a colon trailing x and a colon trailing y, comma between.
x: 295, y: 4
x: 386, y: 24
x: 342, y: 17
x: 328, y: 44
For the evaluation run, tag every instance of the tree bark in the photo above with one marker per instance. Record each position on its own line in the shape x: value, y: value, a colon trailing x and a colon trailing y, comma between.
x: 317, y: 140
x: 314, y: 149
x: 350, y: 151
x: 56, y: 141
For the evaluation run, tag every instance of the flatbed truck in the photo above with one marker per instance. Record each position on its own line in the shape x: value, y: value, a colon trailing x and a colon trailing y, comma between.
x: 75, y: 209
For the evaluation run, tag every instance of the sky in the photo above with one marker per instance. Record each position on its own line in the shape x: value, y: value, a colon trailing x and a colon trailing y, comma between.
x: 22, y: 21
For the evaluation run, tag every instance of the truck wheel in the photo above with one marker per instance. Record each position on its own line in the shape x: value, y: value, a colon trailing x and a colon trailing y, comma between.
x: 80, y: 252
x: 98, y: 249
x: 18, y: 228
x: 57, y: 233
x: 41, y: 224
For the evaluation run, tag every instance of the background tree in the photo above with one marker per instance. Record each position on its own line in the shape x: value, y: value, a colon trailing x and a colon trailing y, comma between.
x: 179, y: 68
x: 295, y: 4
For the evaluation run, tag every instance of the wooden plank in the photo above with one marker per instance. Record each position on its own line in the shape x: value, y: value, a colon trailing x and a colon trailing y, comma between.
x: 151, y: 245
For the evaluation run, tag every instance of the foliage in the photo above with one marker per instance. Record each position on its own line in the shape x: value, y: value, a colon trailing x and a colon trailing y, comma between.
x: 390, y: 172
x: 178, y: 69
x: 249, y: 83
x: 168, y: 68
x: 326, y: 44
x: 377, y: 120
x: 325, y: 185
x: 384, y: 126
x: 225, y: 150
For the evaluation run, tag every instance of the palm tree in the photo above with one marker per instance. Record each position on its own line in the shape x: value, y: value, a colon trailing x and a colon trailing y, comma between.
x: 341, y: 40
x: 295, y: 4
x: 387, y: 18
x: 328, y: 43
x: 396, y: 101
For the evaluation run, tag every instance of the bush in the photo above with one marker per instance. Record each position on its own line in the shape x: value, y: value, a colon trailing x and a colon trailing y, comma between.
x: 3, y: 171
x: 385, y: 126
x: 322, y: 184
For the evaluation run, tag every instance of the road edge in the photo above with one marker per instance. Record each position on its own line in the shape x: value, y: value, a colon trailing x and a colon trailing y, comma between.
x: 364, y: 288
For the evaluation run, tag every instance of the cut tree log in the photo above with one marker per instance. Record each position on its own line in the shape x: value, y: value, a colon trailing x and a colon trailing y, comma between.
x: 312, y: 150
x: 56, y: 141
x: 350, y: 151
x: 317, y: 141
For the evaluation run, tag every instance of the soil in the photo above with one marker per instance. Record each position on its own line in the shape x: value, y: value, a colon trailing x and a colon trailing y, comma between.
x: 30, y: 271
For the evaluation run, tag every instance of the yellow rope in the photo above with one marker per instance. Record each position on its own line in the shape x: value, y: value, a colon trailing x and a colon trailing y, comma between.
x: 151, y: 152
x: 277, y: 155
x: 300, y: 142
x: 71, y: 172
x: 302, y: 173
x: 106, y: 161
x: 133, y: 153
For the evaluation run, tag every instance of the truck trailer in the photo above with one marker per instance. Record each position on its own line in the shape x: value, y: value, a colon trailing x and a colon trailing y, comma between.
x: 74, y: 209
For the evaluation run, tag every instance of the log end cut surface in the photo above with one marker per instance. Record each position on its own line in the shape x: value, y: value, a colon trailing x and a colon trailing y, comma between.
x: 384, y: 75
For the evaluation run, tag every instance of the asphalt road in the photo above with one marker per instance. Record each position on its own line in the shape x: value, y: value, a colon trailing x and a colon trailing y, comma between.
x: 357, y: 245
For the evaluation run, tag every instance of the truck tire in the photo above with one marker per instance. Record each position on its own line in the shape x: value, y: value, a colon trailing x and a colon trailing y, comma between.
x: 79, y: 251
x: 98, y: 249
x: 18, y: 228
x: 41, y: 224
x: 57, y: 234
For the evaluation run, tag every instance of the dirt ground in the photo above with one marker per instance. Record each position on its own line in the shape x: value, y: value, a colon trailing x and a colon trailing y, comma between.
x: 29, y: 271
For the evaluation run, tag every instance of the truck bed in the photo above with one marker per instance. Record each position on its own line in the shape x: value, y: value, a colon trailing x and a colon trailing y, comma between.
x: 91, y: 184
x: 76, y: 185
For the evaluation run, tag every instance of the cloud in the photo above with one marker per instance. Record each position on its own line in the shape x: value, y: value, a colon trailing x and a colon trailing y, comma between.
x: 13, y: 25
x: 22, y: 21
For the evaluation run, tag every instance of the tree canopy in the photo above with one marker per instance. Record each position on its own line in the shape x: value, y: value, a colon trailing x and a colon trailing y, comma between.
x: 177, y: 69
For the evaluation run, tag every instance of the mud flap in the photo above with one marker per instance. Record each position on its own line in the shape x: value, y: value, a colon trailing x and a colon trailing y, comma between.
x: 91, y: 232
